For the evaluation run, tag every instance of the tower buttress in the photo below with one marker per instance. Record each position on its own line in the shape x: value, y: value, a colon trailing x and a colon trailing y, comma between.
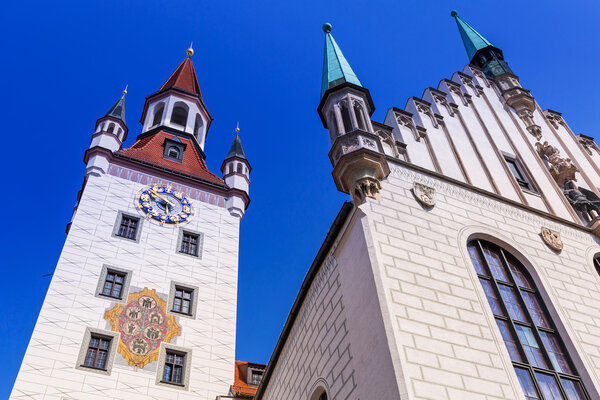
x: 109, y: 135
x: 483, y: 54
x: 346, y: 106
x: 236, y: 173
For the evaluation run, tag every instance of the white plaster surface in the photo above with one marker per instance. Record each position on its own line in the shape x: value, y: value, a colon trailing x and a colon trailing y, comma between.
x: 48, y: 369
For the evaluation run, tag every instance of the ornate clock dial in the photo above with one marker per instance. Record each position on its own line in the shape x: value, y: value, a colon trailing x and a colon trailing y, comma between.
x: 165, y: 205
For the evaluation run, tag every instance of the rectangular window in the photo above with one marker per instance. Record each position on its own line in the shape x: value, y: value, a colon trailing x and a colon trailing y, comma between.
x: 113, y: 284
x: 548, y: 386
x: 173, y: 369
x: 182, y: 303
x: 517, y: 173
x: 189, y: 244
x: 256, y: 377
x: 128, y: 227
x: 531, y: 346
x: 97, y: 352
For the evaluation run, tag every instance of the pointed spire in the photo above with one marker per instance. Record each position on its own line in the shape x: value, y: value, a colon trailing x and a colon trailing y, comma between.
x: 472, y: 39
x: 336, y: 69
x: 236, y: 147
x: 184, y: 76
x: 118, y: 109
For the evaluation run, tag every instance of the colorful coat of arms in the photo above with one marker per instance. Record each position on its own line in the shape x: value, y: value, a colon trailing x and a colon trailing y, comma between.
x: 143, y: 324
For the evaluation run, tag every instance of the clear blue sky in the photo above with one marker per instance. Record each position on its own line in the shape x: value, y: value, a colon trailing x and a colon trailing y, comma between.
x: 65, y: 63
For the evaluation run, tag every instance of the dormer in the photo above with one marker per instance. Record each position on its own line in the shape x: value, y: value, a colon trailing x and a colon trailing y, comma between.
x: 178, y: 105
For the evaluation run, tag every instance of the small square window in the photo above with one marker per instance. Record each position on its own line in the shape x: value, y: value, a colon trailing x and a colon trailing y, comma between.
x: 182, y: 299
x: 127, y: 227
x: 189, y: 244
x: 174, y: 364
x: 97, y: 351
x: 256, y: 377
x: 113, y: 283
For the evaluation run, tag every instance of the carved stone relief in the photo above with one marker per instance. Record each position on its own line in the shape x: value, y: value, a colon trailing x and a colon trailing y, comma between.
x: 425, y: 109
x: 552, y: 239
x: 424, y: 194
x: 561, y: 169
x: 589, y: 145
x: 439, y: 99
x: 366, y: 187
x: 408, y: 122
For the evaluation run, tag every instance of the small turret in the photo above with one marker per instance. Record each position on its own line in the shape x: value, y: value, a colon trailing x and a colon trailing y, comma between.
x: 111, y: 132
x: 490, y: 60
x: 346, y: 106
x: 236, y: 173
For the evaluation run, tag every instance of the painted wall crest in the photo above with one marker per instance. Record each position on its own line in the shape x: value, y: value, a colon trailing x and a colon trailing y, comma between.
x: 424, y: 194
x: 552, y: 239
x: 143, y: 324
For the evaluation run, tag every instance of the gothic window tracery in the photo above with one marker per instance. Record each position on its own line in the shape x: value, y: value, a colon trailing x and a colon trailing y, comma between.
x: 360, y: 116
x: 541, y: 362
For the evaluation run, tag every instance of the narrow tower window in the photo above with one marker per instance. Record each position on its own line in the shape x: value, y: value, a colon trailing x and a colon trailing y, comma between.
x: 539, y: 357
x: 158, y: 113
x: 198, y: 127
x: 239, y: 168
x: 111, y: 128
x: 346, y: 117
x: 180, y: 114
x: 360, y: 116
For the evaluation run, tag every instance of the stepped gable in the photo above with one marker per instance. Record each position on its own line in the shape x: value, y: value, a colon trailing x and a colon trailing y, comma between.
x: 151, y: 149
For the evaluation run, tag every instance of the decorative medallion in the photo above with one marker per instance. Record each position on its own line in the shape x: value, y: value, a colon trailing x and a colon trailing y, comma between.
x: 165, y: 205
x: 552, y: 239
x: 143, y: 324
x: 424, y: 194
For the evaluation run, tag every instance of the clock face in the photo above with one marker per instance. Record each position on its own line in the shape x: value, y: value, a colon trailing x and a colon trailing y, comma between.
x: 165, y: 205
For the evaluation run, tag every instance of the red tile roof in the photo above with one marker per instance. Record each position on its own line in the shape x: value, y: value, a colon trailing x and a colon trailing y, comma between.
x: 184, y: 78
x: 151, y: 149
x: 240, y: 386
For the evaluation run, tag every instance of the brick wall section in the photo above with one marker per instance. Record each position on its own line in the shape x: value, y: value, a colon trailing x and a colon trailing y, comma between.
x: 445, y: 334
x: 48, y: 369
x: 318, y: 347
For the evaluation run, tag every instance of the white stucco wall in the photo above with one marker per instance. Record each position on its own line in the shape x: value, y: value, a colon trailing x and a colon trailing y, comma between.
x: 48, y: 369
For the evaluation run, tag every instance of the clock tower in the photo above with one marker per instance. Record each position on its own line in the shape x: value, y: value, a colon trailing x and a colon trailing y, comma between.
x: 142, y: 303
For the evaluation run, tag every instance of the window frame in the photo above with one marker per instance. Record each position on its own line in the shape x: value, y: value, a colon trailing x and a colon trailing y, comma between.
x: 175, y: 286
x: 186, y: 366
x: 199, y: 245
x: 117, y: 226
x: 530, y: 322
x: 106, y: 269
x: 524, y: 181
x: 112, y: 337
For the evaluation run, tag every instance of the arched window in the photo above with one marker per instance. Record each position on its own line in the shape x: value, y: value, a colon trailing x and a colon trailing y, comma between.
x: 541, y: 362
x: 230, y: 168
x: 346, y: 117
x: 597, y: 264
x: 198, y: 126
x: 239, y: 168
x: 360, y: 116
x: 111, y: 128
x: 173, y: 152
x: 319, y: 394
x: 180, y: 114
x: 158, y: 113
x: 119, y: 132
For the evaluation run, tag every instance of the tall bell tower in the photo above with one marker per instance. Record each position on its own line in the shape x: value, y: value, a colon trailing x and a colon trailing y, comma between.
x: 142, y: 303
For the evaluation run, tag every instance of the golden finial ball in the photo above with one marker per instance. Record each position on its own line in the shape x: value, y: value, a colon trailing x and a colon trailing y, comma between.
x: 190, y: 52
x: 237, y: 129
x: 124, y: 91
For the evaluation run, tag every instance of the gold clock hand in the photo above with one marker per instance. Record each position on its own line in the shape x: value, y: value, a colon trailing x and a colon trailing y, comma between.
x: 155, y: 194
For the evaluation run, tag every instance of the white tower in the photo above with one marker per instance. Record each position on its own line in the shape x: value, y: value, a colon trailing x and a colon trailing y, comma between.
x: 142, y: 303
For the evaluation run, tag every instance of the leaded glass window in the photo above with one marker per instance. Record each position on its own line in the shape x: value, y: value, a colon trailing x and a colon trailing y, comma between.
x: 189, y: 244
x: 113, y: 284
x: 97, y: 352
x: 182, y: 302
x: 173, y: 371
x: 128, y: 227
x: 543, y: 367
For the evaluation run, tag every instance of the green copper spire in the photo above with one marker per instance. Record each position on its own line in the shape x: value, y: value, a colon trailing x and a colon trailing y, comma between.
x: 472, y: 39
x: 336, y: 69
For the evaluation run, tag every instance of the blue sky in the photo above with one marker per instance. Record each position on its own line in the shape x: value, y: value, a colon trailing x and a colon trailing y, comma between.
x: 65, y: 63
